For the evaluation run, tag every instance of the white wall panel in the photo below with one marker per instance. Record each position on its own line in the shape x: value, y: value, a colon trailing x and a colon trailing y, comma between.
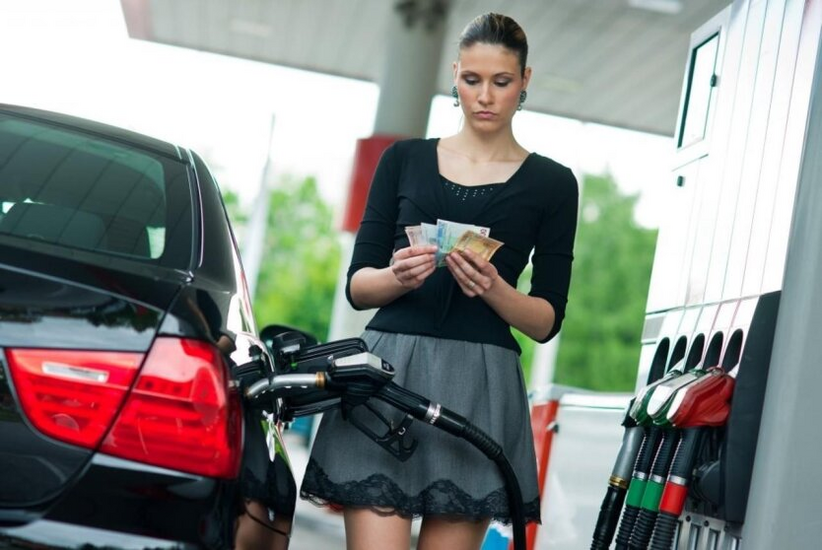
x: 688, y: 324
x: 730, y: 179
x: 754, y: 150
x: 724, y: 319
x: 794, y: 149
x: 774, y: 147
x: 717, y: 141
x: 703, y: 228
x: 666, y: 290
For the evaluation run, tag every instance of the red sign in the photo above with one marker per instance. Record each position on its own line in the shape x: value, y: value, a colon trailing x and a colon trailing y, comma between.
x: 368, y: 153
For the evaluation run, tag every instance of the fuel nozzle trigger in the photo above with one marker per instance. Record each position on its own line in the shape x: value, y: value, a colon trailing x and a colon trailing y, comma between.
x: 396, y: 439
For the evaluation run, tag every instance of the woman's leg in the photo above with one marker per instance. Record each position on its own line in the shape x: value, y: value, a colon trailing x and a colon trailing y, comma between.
x: 446, y: 534
x: 254, y: 531
x: 366, y: 530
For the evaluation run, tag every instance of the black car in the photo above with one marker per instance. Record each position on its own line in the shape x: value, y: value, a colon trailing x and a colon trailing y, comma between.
x: 124, y: 318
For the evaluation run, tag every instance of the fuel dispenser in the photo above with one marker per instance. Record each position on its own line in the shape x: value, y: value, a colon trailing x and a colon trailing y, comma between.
x: 699, y: 422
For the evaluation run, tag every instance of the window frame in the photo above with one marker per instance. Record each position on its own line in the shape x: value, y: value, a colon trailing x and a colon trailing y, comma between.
x: 717, y: 27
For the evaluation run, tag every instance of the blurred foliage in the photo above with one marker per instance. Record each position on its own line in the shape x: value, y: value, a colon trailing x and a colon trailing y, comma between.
x: 613, y: 256
x: 232, y: 205
x: 301, y: 263
x: 301, y: 258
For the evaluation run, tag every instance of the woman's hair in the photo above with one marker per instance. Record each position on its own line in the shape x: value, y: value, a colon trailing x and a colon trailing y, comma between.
x: 493, y: 28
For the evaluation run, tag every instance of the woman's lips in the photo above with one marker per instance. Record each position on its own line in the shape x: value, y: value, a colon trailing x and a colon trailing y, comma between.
x: 484, y: 115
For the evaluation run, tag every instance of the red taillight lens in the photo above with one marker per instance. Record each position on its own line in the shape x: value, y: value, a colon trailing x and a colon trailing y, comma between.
x: 181, y: 413
x: 72, y: 396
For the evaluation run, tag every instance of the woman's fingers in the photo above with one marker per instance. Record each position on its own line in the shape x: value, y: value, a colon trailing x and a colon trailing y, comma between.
x: 474, y: 274
x: 413, y: 264
x: 420, y: 271
x: 462, y: 272
x: 414, y: 251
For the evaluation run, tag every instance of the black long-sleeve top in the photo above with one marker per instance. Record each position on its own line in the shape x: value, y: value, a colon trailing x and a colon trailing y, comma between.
x: 535, y: 210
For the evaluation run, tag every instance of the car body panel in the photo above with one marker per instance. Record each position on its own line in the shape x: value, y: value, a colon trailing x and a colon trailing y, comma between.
x: 99, y: 309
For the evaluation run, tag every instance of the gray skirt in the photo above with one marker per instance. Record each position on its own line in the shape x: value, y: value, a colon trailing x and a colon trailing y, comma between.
x: 445, y: 476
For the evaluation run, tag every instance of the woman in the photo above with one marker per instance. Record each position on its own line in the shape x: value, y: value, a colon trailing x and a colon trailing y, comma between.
x: 446, y: 330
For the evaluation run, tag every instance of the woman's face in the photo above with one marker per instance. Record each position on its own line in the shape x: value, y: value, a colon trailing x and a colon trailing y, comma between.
x: 489, y: 80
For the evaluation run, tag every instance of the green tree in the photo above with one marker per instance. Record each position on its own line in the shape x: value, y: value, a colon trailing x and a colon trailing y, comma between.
x: 233, y: 208
x: 298, y: 275
x: 613, y: 256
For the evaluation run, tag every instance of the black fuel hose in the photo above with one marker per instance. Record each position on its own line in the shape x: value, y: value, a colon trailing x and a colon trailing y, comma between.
x: 676, y: 489
x: 617, y: 488
x: 636, y: 489
x: 449, y: 421
x: 649, y: 508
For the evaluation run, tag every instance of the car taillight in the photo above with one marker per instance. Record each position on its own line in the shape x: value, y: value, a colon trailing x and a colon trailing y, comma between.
x: 72, y: 395
x: 181, y: 413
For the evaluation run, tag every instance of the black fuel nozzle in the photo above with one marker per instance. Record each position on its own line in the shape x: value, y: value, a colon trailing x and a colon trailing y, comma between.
x: 286, y: 347
x: 257, y: 365
x: 358, y: 377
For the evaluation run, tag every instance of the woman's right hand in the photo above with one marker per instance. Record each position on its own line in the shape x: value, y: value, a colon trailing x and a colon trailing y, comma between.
x: 413, y: 264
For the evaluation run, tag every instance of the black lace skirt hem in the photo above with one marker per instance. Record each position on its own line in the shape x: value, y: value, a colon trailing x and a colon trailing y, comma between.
x: 383, y: 496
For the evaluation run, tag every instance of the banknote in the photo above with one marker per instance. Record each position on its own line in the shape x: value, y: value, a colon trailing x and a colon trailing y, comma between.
x: 429, y: 233
x: 480, y: 245
x: 414, y: 233
x: 425, y: 233
x: 448, y: 233
x: 445, y: 235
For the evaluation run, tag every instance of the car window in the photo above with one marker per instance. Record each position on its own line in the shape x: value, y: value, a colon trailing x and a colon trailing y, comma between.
x: 76, y: 190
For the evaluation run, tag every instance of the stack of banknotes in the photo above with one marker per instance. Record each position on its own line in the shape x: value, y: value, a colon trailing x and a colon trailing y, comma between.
x: 450, y: 236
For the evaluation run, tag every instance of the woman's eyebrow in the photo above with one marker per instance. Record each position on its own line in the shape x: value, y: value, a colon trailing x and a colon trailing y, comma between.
x: 469, y: 71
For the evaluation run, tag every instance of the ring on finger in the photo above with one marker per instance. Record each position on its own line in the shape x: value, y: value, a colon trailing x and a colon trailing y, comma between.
x: 471, y: 284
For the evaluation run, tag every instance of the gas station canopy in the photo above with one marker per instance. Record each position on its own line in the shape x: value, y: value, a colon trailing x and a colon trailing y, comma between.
x: 614, y: 62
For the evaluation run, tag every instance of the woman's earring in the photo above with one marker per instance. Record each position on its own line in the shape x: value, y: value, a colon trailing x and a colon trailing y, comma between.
x: 456, y: 96
x: 523, y: 95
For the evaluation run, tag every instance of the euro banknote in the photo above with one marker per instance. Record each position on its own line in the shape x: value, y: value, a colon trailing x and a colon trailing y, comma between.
x: 446, y: 235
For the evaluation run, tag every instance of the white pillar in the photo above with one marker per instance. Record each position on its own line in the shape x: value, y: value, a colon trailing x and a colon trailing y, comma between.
x: 543, y: 363
x: 346, y: 322
x: 408, y: 80
x: 254, y: 239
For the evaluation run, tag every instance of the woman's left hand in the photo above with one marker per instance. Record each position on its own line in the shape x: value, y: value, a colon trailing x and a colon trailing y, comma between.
x: 474, y: 274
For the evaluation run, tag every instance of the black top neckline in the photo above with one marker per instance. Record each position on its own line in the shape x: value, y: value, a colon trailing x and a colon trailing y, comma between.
x: 481, y: 186
x: 513, y: 176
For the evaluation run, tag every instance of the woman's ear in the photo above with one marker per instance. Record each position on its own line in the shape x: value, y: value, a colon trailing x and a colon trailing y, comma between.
x: 526, y: 77
x: 456, y: 67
